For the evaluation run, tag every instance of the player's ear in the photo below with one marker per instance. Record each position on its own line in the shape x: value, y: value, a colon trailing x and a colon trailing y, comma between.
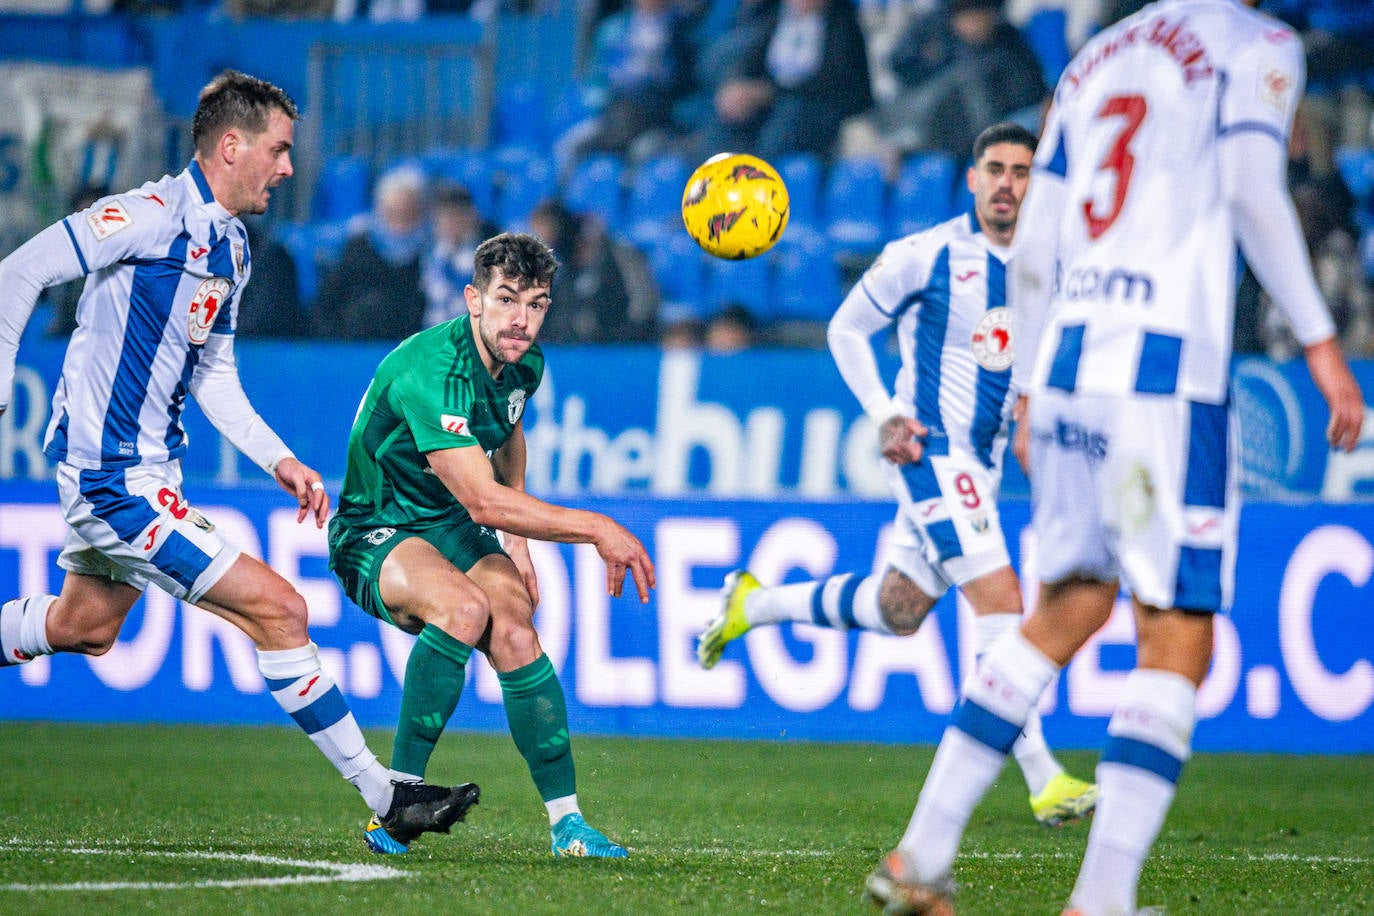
x: 970, y: 177
x: 473, y: 299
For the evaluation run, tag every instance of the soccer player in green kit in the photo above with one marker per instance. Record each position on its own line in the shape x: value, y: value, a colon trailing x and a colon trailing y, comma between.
x: 436, y: 466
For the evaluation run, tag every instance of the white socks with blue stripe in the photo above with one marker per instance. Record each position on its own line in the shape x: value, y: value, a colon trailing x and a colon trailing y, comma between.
x: 1148, y: 741
x: 24, y: 629
x: 301, y: 687
x: 1032, y: 754
x: 997, y: 696
x: 842, y: 602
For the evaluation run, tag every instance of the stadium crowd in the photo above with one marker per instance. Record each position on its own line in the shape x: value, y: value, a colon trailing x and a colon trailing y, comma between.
x: 867, y: 109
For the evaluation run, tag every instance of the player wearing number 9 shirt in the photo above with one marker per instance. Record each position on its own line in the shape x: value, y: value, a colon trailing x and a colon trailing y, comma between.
x: 1165, y: 147
x: 944, y: 435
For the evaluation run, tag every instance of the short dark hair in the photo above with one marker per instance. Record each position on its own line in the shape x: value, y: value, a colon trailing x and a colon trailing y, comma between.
x: 1004, y: 132
x: 519, y: 256
x: 235, y: 99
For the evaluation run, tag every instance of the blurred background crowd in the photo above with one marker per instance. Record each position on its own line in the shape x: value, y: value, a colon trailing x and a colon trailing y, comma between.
x: 867, y: 110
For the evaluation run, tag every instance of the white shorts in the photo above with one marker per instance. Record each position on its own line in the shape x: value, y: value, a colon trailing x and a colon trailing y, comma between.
x: 948, y: 531
x: 1140, y: 489
x: 133, y: 525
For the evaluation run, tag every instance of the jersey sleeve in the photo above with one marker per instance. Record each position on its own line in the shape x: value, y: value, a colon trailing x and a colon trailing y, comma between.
x: 438, y: 414
x: 116, y: 228
x: 1264, y: 81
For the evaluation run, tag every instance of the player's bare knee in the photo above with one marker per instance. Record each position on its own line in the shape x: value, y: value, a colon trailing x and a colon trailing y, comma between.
x: 282, y: 616
x: 463, y: 615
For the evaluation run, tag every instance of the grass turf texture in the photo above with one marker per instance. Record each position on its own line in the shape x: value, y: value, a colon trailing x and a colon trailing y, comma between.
x: 713, y: 827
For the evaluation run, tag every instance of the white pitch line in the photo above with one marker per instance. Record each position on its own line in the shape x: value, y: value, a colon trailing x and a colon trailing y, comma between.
x: 331, y: 871
x: 1003, y: 856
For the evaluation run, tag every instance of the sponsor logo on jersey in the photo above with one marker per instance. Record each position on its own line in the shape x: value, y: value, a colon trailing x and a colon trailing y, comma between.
x: 198, y: 253
x: 1275, y: 88
x: 991, y: 341
x: 1110, y: 283
x: 108, y: 220
x: 515, y: 407
x: 455, y: 424
x: 379, y: 536
x: 209, y: 298
x: 966, y: 276
x: 237, y: 249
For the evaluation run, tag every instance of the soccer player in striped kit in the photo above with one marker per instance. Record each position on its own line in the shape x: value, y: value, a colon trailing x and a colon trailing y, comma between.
x: 165, y: 265
x: 1165, y: 147
x: 943, y: 435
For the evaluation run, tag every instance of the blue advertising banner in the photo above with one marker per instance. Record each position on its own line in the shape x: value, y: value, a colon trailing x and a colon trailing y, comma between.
x: 636, y: 420
x: 1294, y: 668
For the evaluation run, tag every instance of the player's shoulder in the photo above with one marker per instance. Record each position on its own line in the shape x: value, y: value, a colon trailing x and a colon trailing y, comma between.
x: 919, y: 248
x: 149, y: 211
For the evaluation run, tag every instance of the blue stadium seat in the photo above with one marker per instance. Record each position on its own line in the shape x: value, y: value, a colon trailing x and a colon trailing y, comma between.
x: 677, y: 265
x: 1356, y: 165
x: 595, y: 187
x: 1047, y: 34
x: 470, y: 168
x: 342, y: 189
x: 854, y: 205
x: 809, y: 286
x: 655, y: 201
x: 315, y: 247
x: 748, y: 283
x: 802, y: 173
x: 923, y: 195
x: 521, y: 189
x: 519, y: 115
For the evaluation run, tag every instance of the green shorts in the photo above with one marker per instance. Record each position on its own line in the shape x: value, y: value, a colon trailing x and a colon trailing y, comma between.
x: 356, y: 553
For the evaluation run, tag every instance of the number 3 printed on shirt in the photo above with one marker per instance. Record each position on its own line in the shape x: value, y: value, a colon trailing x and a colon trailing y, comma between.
x: 1118, y: 160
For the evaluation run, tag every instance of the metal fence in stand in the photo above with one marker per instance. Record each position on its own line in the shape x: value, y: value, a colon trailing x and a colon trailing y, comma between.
x: 385, y: 98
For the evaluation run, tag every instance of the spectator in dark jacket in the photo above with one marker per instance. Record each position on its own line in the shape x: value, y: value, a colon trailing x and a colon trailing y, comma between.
x: 785, y: 77
x: 374, y: 292
x: 961, y: 68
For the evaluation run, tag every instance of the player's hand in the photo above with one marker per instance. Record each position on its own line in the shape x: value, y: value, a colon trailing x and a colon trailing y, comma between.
x: 518, y: 549
x: 1020, y: 440
x: 622, y: 552
x: 1337, y: 385
x: 304, y: 483
x: 899, y: 439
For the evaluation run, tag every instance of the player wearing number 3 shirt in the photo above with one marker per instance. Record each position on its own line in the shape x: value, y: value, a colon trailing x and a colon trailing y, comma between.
x: 1165, y: 147
x: 944, y: 435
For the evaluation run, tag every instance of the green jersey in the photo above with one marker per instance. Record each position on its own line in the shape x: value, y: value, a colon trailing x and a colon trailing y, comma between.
x: 432, y: 392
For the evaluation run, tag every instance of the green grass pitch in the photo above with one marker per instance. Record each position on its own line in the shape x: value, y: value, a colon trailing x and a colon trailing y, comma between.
x: 186, y: 820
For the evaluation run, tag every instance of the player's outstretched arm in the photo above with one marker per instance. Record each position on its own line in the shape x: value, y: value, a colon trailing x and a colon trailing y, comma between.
x: 1333, y: 379
x: 304, y: 483
x: 508, y: 463
x: 43, y: 261
x: 469, y: 476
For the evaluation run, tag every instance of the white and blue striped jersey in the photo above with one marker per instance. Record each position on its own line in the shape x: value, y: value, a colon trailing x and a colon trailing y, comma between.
x: 945, y: 290
x: 1145, y: 279
x: 165, y: 266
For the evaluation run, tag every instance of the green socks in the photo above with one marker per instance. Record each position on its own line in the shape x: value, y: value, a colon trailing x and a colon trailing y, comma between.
x: 538, y: 717
x: 434, y: 682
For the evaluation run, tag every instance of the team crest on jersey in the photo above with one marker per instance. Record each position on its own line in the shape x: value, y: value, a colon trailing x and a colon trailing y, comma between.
x: 379, y: 536
x: 109, y: 219
x: 991, y: 342
x: 515, y: 407
x: 210, y: 297
x: 1275, y: 87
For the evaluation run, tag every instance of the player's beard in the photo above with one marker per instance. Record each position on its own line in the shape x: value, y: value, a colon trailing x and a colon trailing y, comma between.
x: 491, y: 339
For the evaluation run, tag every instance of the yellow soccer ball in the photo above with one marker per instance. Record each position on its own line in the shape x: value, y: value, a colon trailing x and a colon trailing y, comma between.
x: 735, y: 206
